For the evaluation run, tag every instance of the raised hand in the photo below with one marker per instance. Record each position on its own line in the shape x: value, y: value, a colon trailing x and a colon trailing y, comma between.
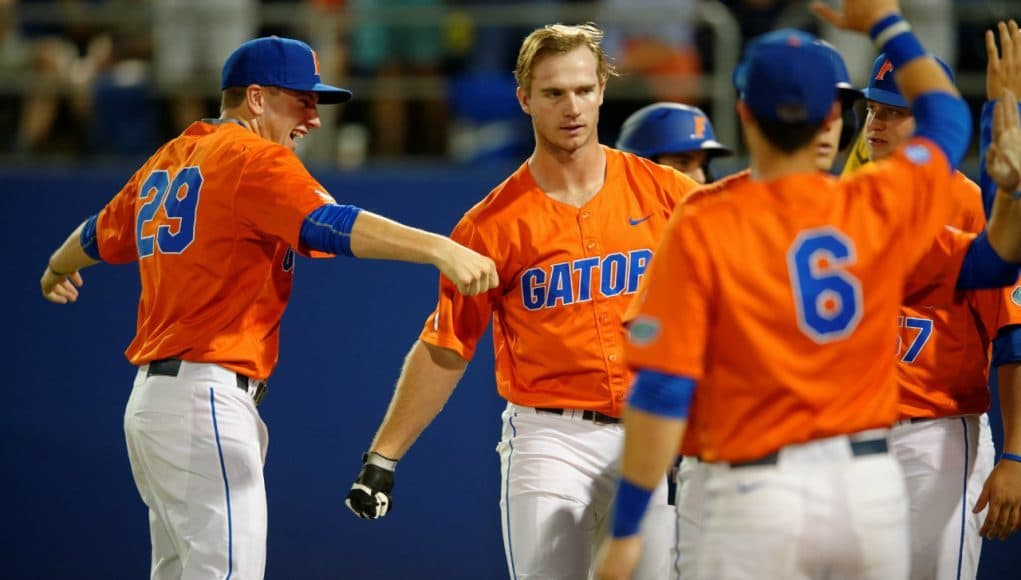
x: 856, y: 15
x: 1003, y: 160
x: 1003, y: 66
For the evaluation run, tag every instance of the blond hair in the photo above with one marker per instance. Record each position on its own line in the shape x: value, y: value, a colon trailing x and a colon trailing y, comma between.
x: 560, y: 39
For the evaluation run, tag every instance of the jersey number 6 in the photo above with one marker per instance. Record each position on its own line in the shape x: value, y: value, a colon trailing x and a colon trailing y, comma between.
x: 180, y: 209
x: 827, y: 298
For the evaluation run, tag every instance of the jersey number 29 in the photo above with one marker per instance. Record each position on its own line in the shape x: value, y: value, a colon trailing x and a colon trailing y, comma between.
x: 827, y: 298
x: 180, y: 209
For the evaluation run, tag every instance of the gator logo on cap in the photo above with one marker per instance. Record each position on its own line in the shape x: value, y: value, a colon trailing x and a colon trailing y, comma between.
x: 1015, y: 296
x: 881, y: 73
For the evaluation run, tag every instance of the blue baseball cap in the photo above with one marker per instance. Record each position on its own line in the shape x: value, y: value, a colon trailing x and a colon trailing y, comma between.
x: 787, y: 76
x: 669, y: 128
x: 848, y: 94
x: 883, y: 88
x: 279, y: 62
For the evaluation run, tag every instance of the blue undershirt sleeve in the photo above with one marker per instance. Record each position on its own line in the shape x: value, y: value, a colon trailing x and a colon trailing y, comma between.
x: 1007, y: 346
x: 662, y: 394
x: 983, y: 268
x: 88, y: 238
x: 946, y: 121
x: 328, y: 229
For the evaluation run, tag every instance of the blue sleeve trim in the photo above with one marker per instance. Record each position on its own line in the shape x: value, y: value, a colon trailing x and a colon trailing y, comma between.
x: 985, y: 138
x: 87, y: 239
x: 328, y: 229
x: 662, y: 394
x: 983, y: 268
x: 1007, y: 346
x: 946, y: 121
x: 629, y: 508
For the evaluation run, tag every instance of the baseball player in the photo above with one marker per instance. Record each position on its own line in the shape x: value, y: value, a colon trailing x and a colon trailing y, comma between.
x: 679, y: 136
x: 690, y: 494
x: 1002, y: 490
x: 571, y: 231
x: 942, y: 439
x: 214, y: 220
x: 772, y: 320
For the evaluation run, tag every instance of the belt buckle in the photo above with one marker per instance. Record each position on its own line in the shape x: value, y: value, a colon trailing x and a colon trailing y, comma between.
x: 261, y: 388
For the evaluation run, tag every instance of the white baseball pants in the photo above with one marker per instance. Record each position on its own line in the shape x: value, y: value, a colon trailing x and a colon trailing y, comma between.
x: 819, y: 513
x: 945, y: 462
x: 197, y: 447
x: 559, y: 477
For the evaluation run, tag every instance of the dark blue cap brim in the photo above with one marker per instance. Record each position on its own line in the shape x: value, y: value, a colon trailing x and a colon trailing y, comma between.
x: 328, y: 94
x: 885, y: 97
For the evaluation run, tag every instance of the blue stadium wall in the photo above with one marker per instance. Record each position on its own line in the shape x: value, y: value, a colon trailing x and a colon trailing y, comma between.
x: 70, y: 506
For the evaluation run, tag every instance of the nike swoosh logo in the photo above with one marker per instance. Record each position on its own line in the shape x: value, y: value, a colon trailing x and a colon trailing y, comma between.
x: 750, y: 487
x: 635, y: 222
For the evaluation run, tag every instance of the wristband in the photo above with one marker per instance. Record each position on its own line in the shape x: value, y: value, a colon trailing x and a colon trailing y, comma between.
x: 629, y: 508
x: 373, y: 458
x: 893, y: 36
x: 1011, y: 456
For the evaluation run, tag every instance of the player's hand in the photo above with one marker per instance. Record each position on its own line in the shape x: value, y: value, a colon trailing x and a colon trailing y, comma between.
x: 471, y: 272
x: 369, y: 497
x: 1002, y: 493
x: 618, y: 558
x: 1003, y: 66
x: 1003, y: 159
x: 60, y: 289
x: 857, y: 15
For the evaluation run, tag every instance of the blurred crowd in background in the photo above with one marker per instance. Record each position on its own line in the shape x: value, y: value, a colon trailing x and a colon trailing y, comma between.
x: 110, y: 79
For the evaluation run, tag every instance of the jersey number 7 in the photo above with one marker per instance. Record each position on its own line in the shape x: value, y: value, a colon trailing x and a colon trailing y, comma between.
x: 827, y: 298
x: 176, y: 230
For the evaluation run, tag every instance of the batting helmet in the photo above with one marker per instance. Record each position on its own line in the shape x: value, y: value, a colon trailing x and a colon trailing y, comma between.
x: 663, y: 128
x: 848, y: 95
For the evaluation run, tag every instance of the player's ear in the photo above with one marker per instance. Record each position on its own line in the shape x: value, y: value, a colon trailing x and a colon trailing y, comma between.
x: 255, y: 99
x: 523, y: 101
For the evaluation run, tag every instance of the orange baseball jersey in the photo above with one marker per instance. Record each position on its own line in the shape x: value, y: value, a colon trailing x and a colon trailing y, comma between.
x: 944, y: 351
x: 566, y: 277
x: 213, y: 219
x: 779, y: 298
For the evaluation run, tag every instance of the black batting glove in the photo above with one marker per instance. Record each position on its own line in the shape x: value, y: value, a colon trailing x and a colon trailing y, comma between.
x: 369, y: 497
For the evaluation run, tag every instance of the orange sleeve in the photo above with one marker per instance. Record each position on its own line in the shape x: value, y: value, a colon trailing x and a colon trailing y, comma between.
x: 276, y: 193
x: 933, y: 281
x: 997, y: 308
x: 910, y: 191
x: 671, y: 317
x: 115, y: 225
x: 459, y: 321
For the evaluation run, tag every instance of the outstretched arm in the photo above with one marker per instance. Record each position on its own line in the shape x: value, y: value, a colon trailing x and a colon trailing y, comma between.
x: 350, y: 231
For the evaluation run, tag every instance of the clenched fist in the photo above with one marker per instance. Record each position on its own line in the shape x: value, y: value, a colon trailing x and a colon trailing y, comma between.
x: 369, y: 497
x: 471, y: 272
